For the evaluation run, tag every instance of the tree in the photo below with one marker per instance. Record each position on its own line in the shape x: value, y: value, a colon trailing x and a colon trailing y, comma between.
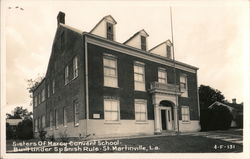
x: 208, y: 96
x: 19, y: 113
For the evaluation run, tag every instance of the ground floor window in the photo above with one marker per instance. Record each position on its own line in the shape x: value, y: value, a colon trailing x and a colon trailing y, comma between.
x: 76, y: 112
x: 43, y: 121
x: 64, y: 116
x: 111, y: 110
x: 36, y: 125
x: 185, y: 113
x: 140, y: 110
x: 56, y: 119
x: 50, y: 119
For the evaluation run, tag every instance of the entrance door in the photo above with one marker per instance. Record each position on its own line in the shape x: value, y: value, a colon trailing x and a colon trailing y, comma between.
x: 169, y: 119
x: 163, y: 120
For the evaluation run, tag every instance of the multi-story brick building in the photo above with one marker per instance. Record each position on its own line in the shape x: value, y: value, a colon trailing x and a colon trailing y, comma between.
x: 96, y: 85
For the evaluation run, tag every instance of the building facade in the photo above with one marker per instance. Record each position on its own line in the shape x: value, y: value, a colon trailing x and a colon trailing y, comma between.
x: 97, y: 86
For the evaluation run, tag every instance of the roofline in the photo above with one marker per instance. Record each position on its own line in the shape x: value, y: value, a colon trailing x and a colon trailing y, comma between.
x: 139, y: 50
x: 38, y: 85
x: 134, y: 36
x: 220, y: 104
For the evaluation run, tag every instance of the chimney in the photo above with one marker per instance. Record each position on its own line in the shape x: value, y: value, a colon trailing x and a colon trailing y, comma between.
x: 234, y: 100
x: 60, y: 18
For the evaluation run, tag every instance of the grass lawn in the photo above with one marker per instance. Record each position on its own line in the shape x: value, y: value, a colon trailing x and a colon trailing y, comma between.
x: 161, y: 144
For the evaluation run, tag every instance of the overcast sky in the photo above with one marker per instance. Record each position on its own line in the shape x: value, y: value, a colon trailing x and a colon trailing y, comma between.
x: 208, y: 35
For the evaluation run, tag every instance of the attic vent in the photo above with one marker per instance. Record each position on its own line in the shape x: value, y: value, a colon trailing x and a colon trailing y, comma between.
x: 168, y: 51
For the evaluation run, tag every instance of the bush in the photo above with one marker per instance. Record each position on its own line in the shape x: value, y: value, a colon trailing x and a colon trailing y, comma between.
x: 42, y: 135
x: 25, y: 129
x: 221, y: 118
x: 9, y: 132
x: 205, y: 120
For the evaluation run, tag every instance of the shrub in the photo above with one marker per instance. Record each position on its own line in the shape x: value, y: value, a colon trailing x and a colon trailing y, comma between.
x: 221, y: 118
x: 42, y: 135
x: 9, y: 132
x: 205, y: 120
x: 25, y: 129
x: 239, y: 120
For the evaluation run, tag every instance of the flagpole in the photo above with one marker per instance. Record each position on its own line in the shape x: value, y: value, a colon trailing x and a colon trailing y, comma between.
x: 176, y: 102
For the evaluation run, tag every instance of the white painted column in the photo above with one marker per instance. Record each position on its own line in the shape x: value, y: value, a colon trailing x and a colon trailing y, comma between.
x: 175, y: 118
x: 157, y: 119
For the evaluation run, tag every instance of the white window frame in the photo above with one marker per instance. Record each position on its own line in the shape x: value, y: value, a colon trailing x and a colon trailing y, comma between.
x: 75, y: 67
x: 66, y: 75
x: 161, y: 79
x: 107, y: 78
x: 110, y: 110
x: 184, y: 90
x: 185, y: 114
x: 137, y: 83
x: 144, y: 103
x: 65, y: 116
x: 76, y: 112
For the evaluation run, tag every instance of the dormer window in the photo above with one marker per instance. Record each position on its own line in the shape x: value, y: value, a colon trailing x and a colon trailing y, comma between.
x: 168, y: 51
x: 110, y: 31
x: 143, y: 43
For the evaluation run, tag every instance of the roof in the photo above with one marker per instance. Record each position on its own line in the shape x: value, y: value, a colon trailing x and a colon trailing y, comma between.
x: 164, y: 42
x: 136, y: 35
x: 71, y: 28
x: 106, y: 17
x: 220, y: 104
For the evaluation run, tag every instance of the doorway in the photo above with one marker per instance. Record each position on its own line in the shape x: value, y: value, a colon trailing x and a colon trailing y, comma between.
x: 166, y: 119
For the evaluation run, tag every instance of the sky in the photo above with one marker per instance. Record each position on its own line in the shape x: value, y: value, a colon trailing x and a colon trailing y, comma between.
x: 209, y: 35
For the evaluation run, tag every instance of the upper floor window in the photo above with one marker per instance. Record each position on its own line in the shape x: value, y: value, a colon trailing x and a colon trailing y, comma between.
x: 168, y: 51
x: 75, y: 67
x: 185, y: 113
x: 139, y: 76
x: 111, y: 110
x: 35, y: 101
x: 110, y: 31
x: 38, y: 98
x: 53, y: 86
x: 143, y: 43
x: 76, y: 112
x: 66, y: 75
x: 48, y: 91
x: 162, y: 76
x: 140, y: 110
x: 110, y: 71
x: 183, y: 85
x: 43, y: 94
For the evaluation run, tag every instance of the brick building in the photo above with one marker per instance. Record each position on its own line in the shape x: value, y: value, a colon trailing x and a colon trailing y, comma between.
x: 97, y: 86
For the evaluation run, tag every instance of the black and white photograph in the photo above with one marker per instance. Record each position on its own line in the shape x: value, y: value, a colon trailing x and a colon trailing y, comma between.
x: 134, y: 79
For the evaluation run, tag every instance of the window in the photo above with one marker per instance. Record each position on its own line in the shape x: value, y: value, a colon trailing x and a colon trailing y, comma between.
x: 76, y: 112
x: 183, y: 85
x: 36, y: 125
x: 111, y: 110
x: 38, y: 98
x: 168, y: 51
x: 110, y: 71
x: 35, y: 101
x: 66, y: 75
x: 162, y: 76
x: 50, y: 119
x: 53, y: 86
x: 43, y: 94
x: 110, y: 31
x: 56, y: 119
x: 143, y: 43
x: 64, y: 116
x: 48, y: 91
x: 139, y: 76
x: 75, y: 67
x: 43, y: 121
x: 140, y: 110
x: 185, y: 113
